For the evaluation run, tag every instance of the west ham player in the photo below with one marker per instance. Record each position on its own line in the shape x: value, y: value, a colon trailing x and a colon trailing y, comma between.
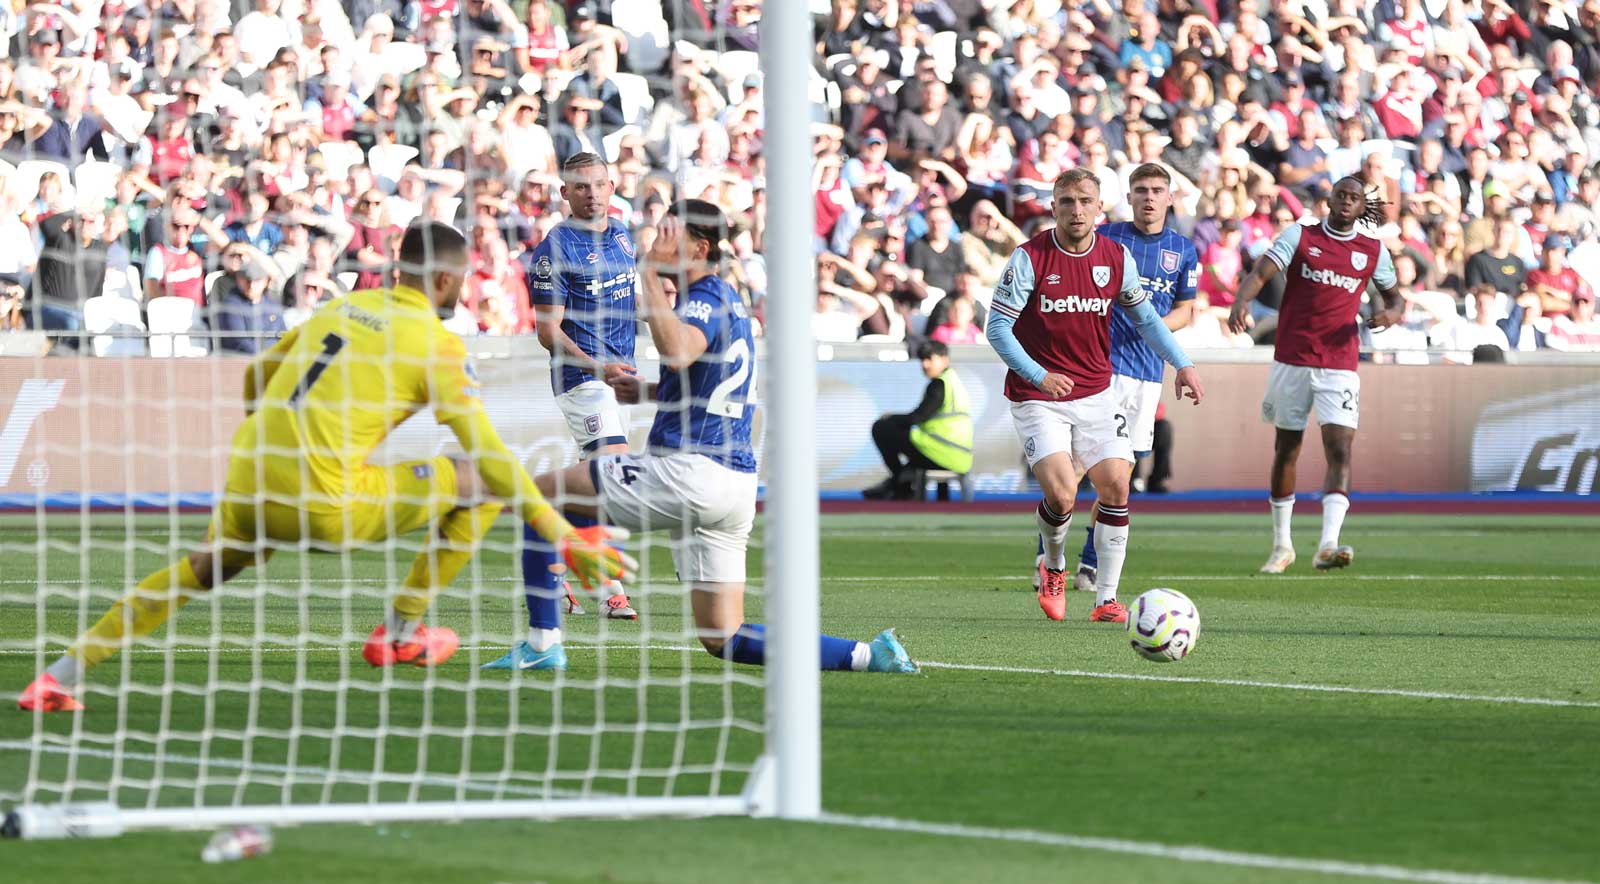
x: 698, y: 480
x: 1169, y: 269
x: 1314, y: 363
x: 1050, y: 322
x: 581, y: 280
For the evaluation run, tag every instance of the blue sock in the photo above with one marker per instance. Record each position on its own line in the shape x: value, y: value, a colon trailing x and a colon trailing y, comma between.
x: 1041, y: 547
x: 543, y: 589
x: 1087, y: 556
x: 749, y: 645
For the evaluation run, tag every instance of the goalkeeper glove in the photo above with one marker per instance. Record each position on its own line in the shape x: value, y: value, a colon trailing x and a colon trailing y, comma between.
x: 587, y: 555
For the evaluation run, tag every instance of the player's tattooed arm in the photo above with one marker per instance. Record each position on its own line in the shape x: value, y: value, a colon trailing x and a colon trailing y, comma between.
x: 1239, y: 320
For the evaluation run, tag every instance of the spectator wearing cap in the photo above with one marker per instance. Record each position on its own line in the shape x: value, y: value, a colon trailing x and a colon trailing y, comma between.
x: 1497, y: 265
x: 246, y: 320
x: 1290, y: 110
x: 336, y: 111
x: 1577, y: 330
x: 1556, y: 284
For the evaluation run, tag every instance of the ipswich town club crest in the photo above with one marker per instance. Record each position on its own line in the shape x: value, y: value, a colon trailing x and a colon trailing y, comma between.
x: 1102, y: 276
x: 624, y: 243
x: 1358, y: 260
x: 1169, y: 261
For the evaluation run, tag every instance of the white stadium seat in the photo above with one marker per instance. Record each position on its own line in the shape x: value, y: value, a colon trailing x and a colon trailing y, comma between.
x: 636, y: 100
x: 106, y: 314
x: 171, y: 320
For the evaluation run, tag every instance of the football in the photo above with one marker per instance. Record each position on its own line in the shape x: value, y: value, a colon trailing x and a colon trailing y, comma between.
x: 1163, y: 625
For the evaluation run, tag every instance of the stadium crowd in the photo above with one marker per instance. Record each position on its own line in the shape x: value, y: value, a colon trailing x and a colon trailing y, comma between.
x: 252, y: 158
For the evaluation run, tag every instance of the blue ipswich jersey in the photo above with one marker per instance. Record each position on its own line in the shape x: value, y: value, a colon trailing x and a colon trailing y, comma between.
x: 592, y: 276
x: 1169, y: 269
x: 713, y: 415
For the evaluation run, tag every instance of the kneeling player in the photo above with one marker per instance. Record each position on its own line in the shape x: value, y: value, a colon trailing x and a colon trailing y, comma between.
x: 318, y: 403
x: 698, y: 480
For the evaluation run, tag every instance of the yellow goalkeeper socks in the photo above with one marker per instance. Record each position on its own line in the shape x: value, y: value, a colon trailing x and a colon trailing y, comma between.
x: 436, y: 565
x: 140, y: 612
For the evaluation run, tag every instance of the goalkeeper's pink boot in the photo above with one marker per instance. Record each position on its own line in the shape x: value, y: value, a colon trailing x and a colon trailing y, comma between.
x: 45, y: 694
x: 428, y: 647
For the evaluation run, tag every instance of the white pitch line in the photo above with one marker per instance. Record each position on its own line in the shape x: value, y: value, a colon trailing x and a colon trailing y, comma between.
x: 1182, y: 853
x: 1268, y: 685
x: 352, y: 777
x: 934, y: 664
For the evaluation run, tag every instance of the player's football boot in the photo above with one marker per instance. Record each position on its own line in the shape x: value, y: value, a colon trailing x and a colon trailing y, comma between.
x: 1330, y: 557
x: 1280, y: 560
x: 1110, y: 612
x: 573, y: 608
x: 45, y: 694
x: 428, y: 647
x: 888, y: 655
x: 617, y: 606
x: 1053, y: 592
x: 523, y: 657
x: 1083, y: 580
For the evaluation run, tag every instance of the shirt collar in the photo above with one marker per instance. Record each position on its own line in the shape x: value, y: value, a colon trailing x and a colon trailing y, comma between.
x: 409, y: 295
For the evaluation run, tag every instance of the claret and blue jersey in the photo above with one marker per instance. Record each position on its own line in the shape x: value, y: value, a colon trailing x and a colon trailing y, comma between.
x: 708, y: 407
x: 592, y: 275
x: 1169, y: 270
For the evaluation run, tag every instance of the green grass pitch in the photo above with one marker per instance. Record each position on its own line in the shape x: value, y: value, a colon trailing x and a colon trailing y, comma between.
x: 1349, y: 718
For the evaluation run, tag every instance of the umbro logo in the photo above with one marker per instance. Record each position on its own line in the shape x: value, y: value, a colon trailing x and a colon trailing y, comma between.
x: 1314, y: 252
x: 1052, y: 279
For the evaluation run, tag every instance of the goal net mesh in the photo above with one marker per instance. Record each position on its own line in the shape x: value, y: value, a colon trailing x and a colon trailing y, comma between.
x: 115, y: 448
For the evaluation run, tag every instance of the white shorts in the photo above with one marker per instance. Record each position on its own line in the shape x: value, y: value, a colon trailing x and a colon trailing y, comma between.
x: 1092, y: 429
x: 706, y: 508
x: 593, y: 416
x: 1137, y: 400
x: 1292, y: 390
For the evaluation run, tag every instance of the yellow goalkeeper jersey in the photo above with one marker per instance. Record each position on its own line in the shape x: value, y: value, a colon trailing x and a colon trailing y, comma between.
x: 331, y: 390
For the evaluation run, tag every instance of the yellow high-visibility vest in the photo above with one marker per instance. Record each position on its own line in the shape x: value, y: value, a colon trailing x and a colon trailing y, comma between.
x: 946, y: 438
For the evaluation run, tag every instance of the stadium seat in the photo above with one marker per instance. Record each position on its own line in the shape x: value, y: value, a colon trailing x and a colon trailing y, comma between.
x: 612, y: 144
x: 123, y: 282
x: 26, y: 181
x: 115, y: 323
x: 387, y: 161
x: 734, y: 65
x: 171, y: 321
x: 943, y: 50
x: 941, y: 480
x: 96, y: 180
x: 636, y: 100
x: 340, y: 156
x: 644, y: 24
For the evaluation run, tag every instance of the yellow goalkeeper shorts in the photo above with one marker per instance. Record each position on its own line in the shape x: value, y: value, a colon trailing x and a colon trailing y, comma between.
x: 384, y: 502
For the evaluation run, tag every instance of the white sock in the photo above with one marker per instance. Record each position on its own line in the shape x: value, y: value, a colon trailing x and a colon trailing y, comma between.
x: 398, y: 628
x: 1282, y: 510
x: 1334, y: 506
x: 543, y: 639
x: 66, y: 670
x: 1053, y: 535
x: 860, y: 656
x: 1111, y: 548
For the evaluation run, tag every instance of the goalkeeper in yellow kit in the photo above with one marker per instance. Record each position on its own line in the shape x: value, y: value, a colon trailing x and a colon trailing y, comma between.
x: 318, y: 404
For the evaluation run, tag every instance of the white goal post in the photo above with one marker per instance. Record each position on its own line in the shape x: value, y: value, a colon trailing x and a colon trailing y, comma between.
x: 142, y: 772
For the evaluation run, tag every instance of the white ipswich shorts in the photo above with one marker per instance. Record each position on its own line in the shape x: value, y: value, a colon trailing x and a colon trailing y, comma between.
x: 706, y: 508
x: 1092, y: 429
x: 593, y: 416
x: 1137, y: 400
x: 1292, y: 390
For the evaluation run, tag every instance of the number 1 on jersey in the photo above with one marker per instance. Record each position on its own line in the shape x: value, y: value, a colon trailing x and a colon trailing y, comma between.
x: 331, y: 345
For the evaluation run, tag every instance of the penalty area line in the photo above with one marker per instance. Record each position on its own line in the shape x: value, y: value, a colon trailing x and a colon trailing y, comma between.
x: 1181, y: 853
x: 1269, y: 685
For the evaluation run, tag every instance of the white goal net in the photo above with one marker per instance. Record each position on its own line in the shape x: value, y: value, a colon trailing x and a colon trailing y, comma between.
x: 242, y: 180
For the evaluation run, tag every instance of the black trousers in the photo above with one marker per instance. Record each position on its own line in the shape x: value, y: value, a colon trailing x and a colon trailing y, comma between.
x: 892, y: 434
x: 1160, y: 454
